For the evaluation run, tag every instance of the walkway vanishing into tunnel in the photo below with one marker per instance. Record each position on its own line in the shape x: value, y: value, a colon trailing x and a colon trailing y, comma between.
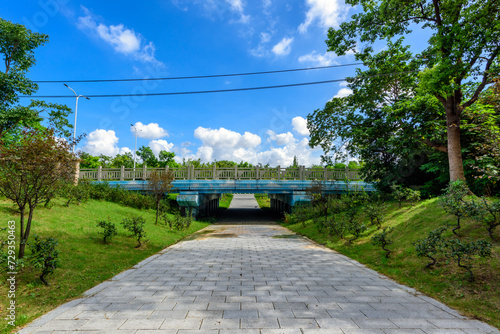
x: 248, y: 275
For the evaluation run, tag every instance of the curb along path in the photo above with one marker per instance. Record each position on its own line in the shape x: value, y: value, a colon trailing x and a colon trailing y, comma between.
x: 252, y: 279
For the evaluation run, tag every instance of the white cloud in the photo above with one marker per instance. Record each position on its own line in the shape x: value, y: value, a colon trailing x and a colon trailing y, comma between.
x: 329, y: 13
x: 122, y: 39
x: 149, y: 131
x: 299, y: 125
x: 103, y: 142
x: 317, y: 59
x: 261, y: 49
x: 343, y: 92
x: 283, y: 156
x: 343, y: 84
x: 280, y: 139
x: 223, y: 144
x: 283, y: 48
x: 160, y: 145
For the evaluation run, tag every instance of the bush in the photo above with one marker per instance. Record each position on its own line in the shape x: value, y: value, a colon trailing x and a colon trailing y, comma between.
x: 44, y: 255
x: 383, y: 240
x: 109, y: 230
x: 453, y: 202
x: 76, y: 193
x: 488, y: 214
x: 135, y: 225
x: 182, y: 223
x: 464, y: 253
x: 431, y: 246
x: 400, y: 194
x: 375, y: 212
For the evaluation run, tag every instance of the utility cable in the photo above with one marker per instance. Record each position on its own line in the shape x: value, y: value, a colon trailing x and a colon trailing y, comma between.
x: 216, y: 91
x: 198, y: 76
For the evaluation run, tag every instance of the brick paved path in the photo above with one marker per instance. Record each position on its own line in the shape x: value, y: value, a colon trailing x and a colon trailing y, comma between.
x: 252, y: 279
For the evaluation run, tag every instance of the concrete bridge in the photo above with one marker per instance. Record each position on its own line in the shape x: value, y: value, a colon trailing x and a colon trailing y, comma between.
x: 201, y: 188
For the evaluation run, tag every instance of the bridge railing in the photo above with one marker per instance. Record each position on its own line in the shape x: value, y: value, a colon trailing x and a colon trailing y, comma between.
x: 213, y: 173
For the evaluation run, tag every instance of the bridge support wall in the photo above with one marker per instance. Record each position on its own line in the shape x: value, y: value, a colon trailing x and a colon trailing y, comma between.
x: 198, y: 205
x: 286, y: 202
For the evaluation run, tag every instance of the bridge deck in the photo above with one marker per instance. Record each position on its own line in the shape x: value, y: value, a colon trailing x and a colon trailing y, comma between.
x: 250, y: 186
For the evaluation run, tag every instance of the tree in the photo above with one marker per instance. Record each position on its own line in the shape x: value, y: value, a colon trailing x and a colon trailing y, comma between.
x: 32, y: 171
x: 126, y: 160
x: 147, y: 156
x: 88, y: 161
x: 17, y: 45
x: 160, y: 185
x: 167, y: 159
x: 460, y: 60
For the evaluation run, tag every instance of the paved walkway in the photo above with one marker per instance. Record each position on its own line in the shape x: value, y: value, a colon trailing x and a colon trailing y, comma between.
x: 252, y: 279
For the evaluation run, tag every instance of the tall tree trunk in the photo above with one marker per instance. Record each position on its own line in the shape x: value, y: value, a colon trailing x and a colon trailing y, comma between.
x: 455, y: 161
x: 22, y: 239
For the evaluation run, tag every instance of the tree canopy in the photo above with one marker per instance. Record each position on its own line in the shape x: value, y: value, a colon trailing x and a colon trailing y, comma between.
x: 410, y: 98
x: 17, y: 46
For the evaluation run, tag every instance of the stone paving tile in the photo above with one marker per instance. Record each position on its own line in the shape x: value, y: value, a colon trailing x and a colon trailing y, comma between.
x: 252, y: 283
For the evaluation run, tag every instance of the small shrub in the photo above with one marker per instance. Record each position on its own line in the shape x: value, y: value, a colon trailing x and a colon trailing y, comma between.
x: 109, y: 230
x: 338, y: 226
x: 464, y: 253
x: 383, y: 240
x: 412, y: 195
x: 453, y: 202
x: 77, y: 193
x: 356, y: 228
x: 375, y: 212
x: 135, y: 225
x: 288, y: 218
x: 431, y: 246
x: 488, y: 214
x: 182, y: 223
x: 398, y: 194
x: 44, y: 255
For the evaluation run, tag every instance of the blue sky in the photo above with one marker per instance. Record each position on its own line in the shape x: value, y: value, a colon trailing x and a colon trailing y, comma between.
x: 170, y: 38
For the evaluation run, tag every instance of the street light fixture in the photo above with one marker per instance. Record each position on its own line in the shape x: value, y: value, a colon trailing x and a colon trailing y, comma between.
x: 76, y: 110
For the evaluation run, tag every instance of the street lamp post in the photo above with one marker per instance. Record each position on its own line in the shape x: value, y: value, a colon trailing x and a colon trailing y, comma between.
x: 135, y: 147
x: 76, y: 110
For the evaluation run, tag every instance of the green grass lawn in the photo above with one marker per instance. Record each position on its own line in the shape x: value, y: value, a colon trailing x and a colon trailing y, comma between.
x: 446, y: 282
x: 84, y: 260
x: 225, y: 201
x: 263, y: 201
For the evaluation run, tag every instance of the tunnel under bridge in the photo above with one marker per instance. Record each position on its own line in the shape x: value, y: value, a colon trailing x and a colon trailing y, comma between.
x: 200, y: 189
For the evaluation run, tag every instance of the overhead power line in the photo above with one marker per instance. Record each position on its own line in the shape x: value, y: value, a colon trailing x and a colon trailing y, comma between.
x: 218, y: 90
x: 197, y: 76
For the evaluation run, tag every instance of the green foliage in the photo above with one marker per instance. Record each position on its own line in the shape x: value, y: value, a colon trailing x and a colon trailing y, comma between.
x: 374, y: 211
x: 76, y: 193
x: 453, y: 202
x: 88, y: 161
x: 135, y: 225
x: 464, y: 253
x: 400, y: 194
x: 109, y: 230
x: 403, y: 104
x: 44, y: 255
x: 102, y: 191
x: 17, y: 47
x: 383, y: 240
x: 32, y: 171
x: 355, y: 227
x: 159, y: 185
x: 488, y: 214
x: 182, y: 223
x: 431, y: 246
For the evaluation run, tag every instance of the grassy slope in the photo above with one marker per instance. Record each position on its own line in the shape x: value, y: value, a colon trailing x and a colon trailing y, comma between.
x: 446, y: 283
x: 84, y: 260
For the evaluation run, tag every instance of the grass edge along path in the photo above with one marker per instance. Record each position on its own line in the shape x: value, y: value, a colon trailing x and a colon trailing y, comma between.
x: 445, y: 282
x: 84, y: 260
